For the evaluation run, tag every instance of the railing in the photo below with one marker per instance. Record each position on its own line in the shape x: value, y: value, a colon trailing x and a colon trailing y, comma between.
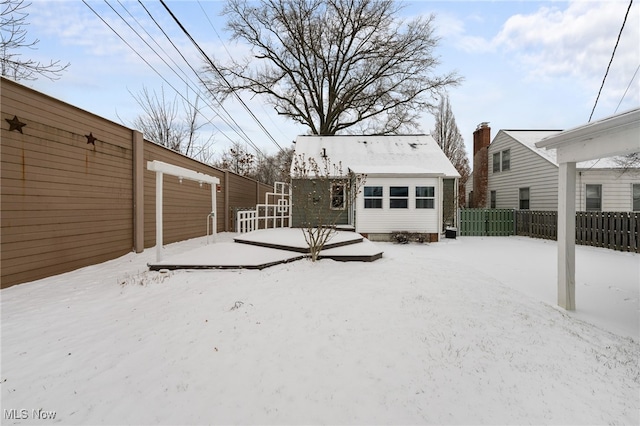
x: 274, y: 213
x: 246, y: 221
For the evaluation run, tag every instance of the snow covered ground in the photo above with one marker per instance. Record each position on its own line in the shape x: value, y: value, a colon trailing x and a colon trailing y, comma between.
x: 460, y: 332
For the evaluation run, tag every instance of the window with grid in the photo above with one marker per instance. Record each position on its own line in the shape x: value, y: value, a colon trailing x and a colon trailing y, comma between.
x: 506, y: 160
x: 399, y: 197
x: 372, y: 197
x: 425, y: 197
x: 337, y: 196
x: 524, y: 198
x: 496, y: 162
x: 594, y: 198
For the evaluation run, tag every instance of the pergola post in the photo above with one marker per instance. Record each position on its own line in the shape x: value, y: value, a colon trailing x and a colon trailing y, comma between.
x: 161, y: 169
x: 159, y: 178
x: 567, y: 236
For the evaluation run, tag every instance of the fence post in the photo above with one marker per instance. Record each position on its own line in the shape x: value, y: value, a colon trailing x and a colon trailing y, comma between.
x: 138, y: 191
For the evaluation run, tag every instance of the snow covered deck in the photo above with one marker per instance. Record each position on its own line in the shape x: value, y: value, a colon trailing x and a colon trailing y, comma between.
x: 268, y: 247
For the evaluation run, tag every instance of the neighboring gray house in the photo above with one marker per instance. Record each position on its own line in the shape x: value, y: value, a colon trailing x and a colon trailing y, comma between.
x: 522, y: 176
x: 410, y: 184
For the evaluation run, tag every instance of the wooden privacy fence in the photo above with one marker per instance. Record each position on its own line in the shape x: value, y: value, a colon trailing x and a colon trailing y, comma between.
x: 487, y: 222
x: 537, y: 224
x: 613, y: 230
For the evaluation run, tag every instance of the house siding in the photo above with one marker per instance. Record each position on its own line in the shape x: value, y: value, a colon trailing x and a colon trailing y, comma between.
x: 387, y: 220
x: 530, y: 170
x: 616, y: 188
x: 527, y: 170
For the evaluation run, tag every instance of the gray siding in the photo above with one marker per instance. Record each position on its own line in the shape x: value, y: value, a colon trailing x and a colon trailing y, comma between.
x: 528, y: 169
x: 305, y: 212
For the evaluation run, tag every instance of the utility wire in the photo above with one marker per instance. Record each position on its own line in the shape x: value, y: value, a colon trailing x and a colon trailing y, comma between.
x: 248, y: 140
x: 215, y: 68
x: 611, y: 60
x: 144, y: 60
x: 237, y: 129
x: 627, y: 89
x: 224, y: 46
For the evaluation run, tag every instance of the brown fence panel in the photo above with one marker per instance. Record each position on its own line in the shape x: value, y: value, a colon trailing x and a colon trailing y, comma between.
x: 612, y: 230
x: 66, y: 190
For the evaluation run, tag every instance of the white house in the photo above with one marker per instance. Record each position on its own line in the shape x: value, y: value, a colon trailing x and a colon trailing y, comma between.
x: 523, y: 176
x: 410, y: 184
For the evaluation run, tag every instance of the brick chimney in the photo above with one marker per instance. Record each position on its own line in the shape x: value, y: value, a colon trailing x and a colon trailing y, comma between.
x: 481, y: 141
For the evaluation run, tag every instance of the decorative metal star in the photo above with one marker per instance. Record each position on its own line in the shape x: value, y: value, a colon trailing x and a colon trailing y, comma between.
x: 91, y: 139
x: 15, y: 124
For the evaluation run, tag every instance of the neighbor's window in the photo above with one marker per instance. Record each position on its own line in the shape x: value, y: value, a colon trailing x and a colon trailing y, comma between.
x: 399, y: 197
x: 524, y: 198
x: 425, y: 197
x: 636, y: 197
x: 594, y: 198
x: 493, y: 199
x: 372, y: 197
x: 337, y: 196
x: 506, y: 159
x: 496, y: 162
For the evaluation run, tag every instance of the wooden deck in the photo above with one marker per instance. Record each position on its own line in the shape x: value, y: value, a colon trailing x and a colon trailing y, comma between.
x: 264, y: 248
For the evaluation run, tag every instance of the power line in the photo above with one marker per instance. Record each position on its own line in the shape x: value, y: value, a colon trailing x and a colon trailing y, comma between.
x: 179, y: 93
x: 611, y: 60
x: 248, y: 140
x: 627, y: 89
x: 237, y: 129
x: 215, y: 68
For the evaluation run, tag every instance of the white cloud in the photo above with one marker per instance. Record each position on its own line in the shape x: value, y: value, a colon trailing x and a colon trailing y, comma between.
x: 576, y: 42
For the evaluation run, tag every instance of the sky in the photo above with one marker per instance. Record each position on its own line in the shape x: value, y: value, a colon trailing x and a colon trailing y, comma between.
x: 524, y: 64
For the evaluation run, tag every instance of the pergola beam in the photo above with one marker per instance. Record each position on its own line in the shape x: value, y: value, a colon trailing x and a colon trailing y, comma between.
x: 161, y: 168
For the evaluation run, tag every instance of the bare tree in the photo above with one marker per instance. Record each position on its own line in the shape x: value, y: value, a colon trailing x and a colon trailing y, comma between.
x: 335, y: 65
x: 171, y: 124
x: 322, y: 193
x: 448, y: 137
x: 275, y: 168
x: 239, y: 160
x: 13, y: 22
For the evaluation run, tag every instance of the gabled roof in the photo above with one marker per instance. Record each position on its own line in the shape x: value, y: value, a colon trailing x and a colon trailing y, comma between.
x: 529, y: 138
x: 382, y: 155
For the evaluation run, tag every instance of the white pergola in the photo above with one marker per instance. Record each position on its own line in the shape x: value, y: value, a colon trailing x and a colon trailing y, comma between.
x: 164, y: 168
x: 611, y: 136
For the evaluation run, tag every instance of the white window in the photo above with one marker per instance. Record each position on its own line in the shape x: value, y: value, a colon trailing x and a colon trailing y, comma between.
x: 493, y: 199
x: 496, y: 162
x: 372, y: 197
x: 399, y: 197
x: 594, y: 198
x: 502, y: 161
x: 506, y: 160
x: 636, y: 197
x: 337, y: 196
x: 425, y: 197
